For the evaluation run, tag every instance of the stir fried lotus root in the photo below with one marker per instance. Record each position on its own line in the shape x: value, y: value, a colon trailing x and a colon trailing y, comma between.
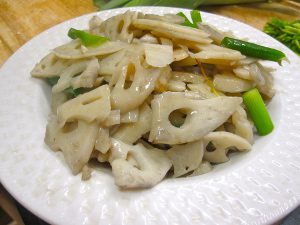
x: 157, y: 98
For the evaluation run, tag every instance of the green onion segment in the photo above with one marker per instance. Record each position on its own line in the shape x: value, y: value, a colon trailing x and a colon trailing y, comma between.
x: 89, y: 40
x: 258, y: 112
x: 196, y: 18
x: 253, y: 50
x: 186, y: 21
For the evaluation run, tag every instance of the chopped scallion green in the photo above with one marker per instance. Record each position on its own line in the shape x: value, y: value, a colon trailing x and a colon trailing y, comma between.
x: 196, y: 18
x: 87, y: 39
x: 258, y: 112
x: 253, y: 50
x: 186, y: 20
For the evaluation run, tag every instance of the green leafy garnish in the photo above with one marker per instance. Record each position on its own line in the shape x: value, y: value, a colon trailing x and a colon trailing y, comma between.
x: 196, y: 18
x: 258, y: 112
x: 286, y: 32
x: 87, y: 39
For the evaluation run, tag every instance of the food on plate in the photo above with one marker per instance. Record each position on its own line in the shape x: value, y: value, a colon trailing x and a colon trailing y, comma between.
x: 154, y: 96
x: 253, y: 50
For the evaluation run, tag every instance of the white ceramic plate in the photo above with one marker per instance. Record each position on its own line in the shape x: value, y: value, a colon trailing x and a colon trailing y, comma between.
x: 258, y: 187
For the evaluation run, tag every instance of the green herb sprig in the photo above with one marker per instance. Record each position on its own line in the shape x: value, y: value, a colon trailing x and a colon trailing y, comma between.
x: 286, y: 32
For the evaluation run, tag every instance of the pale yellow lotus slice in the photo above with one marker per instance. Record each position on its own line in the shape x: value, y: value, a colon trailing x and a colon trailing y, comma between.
x: 76, y: 148
x: 186, y: 158
x: 203, y: 116
x: 131, y: 132
x: 73, y: 50
x: 50, y: 66
x: 143, y: 168
x: 231, y: 84
x: 221, y: 142
x: 173, y: 31
x: 93, y: 105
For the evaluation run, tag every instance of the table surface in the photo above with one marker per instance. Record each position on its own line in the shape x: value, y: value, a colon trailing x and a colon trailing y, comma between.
x: 21, y: 20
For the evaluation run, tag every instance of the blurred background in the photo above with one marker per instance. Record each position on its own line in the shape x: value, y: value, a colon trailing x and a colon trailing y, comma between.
x: 20, y: 20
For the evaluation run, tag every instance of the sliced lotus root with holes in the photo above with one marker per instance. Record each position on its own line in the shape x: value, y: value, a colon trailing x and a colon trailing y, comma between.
x: 173, y: 31
x: 131, y: 132
x: 142, y: 85
x: 135, y: 166
x: 69, y: 73
x: 118, y: 27
x: 50, y: 66
x: 203, y: 116
x: 73, y: 49
x: 186, y: 158
x: 88, y: 77
x: 77, y: 148
x: 169, y: 18
x: 103, y: 141
x: 93, y: 105
x: 217, y: 144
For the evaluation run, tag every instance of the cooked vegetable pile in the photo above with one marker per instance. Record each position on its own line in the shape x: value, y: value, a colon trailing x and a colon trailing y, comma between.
x: 152, y: 95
